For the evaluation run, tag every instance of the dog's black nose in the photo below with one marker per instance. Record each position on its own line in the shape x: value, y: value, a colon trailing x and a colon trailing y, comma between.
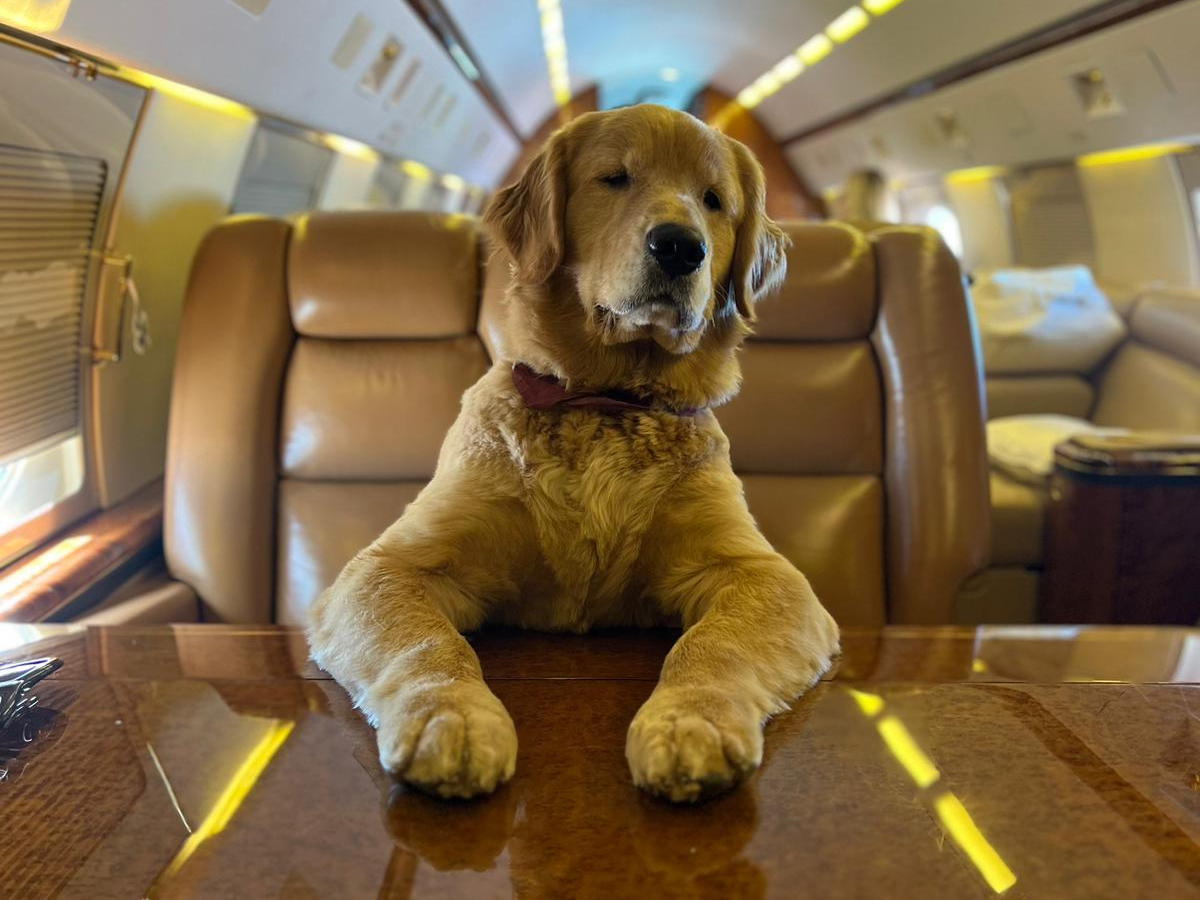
x: 677, y: 249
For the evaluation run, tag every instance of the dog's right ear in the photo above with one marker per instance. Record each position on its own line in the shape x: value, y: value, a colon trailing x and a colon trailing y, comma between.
x: 527, y: 218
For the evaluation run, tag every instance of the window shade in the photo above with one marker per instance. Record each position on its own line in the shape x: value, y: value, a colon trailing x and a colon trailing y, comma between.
x: 49, y: 203
x: 1050, y: 218
x: 283, y: 174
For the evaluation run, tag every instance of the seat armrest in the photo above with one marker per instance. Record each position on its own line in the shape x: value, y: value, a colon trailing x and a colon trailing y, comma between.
x: 170, y: 603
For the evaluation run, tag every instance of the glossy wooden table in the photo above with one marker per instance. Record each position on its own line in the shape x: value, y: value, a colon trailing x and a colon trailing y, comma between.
x: 206, y: 761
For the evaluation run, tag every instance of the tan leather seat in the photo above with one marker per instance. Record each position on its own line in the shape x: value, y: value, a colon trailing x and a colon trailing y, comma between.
x: 320, y: 364
x: 1151, y: 382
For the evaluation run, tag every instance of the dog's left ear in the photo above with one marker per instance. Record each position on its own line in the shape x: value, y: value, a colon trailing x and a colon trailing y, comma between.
x: 760, y: 252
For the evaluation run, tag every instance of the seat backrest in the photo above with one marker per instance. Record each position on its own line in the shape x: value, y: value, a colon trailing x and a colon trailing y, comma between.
x: 1153, y: 380
x: 320, y: 364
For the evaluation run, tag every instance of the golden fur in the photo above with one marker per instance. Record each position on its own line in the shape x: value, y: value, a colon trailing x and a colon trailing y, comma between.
x: 570, y: 519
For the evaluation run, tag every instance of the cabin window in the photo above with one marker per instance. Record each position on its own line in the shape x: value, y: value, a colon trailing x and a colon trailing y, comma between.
x: 394, y: 188
x: 56, y: 192
x: 49, y: 207
x: 927, y: 204
x: 1050, y: 221
x: 1189, y: 171
x: 945, y: 222
x: 283, y: 174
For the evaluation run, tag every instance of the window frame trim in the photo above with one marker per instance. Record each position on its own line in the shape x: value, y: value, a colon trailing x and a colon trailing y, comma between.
x: 29, y: 537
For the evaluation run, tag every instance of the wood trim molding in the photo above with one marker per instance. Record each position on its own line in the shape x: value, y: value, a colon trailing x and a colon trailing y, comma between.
x: 587, y: 100
x: 788, y: 197
x: 442, y: 26
x: 49, y: 580
x: 1064, y: 31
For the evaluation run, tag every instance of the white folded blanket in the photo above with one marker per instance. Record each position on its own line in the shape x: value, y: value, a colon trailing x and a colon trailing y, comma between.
x: 1022, y: 447
x: 1043, y: 320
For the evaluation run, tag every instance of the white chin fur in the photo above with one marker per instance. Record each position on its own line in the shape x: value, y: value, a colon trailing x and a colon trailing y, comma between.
x: 652, y: 322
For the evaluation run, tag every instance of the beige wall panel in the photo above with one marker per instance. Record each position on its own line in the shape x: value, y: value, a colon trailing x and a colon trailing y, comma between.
x: 181, y: 178
x: 982, y: 207
x: 1141, y: 222
x: 348, y: 182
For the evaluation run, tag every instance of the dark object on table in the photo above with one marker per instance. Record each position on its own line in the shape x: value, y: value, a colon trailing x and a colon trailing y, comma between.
x: 16, y: 687
x: 1123, y: 531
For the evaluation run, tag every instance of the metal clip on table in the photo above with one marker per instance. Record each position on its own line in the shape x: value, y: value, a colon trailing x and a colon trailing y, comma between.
x: 16, y: 687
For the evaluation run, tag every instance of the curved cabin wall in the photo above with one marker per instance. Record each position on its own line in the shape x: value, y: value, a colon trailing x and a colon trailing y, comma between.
x: 1028, y: 111
x: 372, y: 70
x: 179, y: 181
x: 1142, y: 221
x: 1050, y: 115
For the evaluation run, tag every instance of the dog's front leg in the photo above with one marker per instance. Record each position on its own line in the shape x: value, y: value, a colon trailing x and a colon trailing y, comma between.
x: 755, y: 638
x: 389, y: 631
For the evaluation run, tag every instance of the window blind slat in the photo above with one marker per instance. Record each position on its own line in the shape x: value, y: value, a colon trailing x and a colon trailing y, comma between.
x: 35, y: 402
x: 30, y: 367
x: 63, y: 422
x: 22, y: 259
x: 49, y: 203
x: 62, y: 336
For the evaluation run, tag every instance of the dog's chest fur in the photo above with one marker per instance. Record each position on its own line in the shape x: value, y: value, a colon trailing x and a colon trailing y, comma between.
x: 592, y: 483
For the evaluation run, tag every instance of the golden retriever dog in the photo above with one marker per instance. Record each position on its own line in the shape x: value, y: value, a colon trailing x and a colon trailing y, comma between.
x: 586, y: 481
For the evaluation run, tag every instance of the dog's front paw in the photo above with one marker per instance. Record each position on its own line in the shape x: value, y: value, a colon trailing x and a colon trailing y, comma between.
x: 452, y: 740
x: 686, y: 743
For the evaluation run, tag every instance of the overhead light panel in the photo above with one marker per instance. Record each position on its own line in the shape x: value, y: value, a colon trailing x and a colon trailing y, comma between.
x: 453, y: 182
x: 815, y: 49
x: 669, y: 74
x: 555, y: 44
x: 788, y: 68
x: 350, y: 147
x: 1131, y: 154
x: 465, y: 63
x: 842, y: 29
x: 416, y: 170
x: 848, y: 24
x: 40, y: 16
x: 976, y: 174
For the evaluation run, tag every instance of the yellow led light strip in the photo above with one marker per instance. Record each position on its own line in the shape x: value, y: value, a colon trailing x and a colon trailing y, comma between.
x: 1131, y: 154
x: 350, y: 147
x: 555, y: 44
x: 335, y: 142
x: 235, y: 792
x: 842, y: 29
x: 950, y: 811
x: 962, y: 828
x: 40, y: 16
x: 848, y: 24
x: 185, y: 92
x: 979, y: 173
x: 879, y: 7
x: 414, y: 169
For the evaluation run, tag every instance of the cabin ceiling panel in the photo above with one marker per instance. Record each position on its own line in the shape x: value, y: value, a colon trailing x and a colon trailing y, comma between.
x: 1031, y: 110
x: 314, y: 62
x: 623, y: 46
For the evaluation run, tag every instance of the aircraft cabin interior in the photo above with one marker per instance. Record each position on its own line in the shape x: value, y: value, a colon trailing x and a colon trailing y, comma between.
x: 437, y: 435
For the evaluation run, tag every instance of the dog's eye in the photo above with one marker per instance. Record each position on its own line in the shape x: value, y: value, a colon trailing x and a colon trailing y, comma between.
x: 711, y: 200
x: 616, y: 179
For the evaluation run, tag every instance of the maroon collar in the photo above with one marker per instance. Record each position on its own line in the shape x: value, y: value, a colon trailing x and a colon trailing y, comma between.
x: 543, y: 392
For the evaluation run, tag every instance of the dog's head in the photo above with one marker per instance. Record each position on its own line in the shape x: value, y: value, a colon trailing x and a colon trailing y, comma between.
x: 652, y: 225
